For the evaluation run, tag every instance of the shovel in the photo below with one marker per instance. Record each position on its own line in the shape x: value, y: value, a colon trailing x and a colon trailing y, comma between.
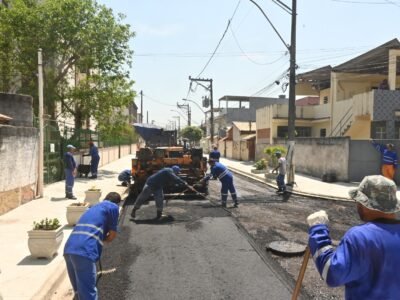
x: 303, y: 268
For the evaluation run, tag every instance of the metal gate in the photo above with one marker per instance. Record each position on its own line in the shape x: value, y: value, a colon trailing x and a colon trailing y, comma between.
x: 53, y: 153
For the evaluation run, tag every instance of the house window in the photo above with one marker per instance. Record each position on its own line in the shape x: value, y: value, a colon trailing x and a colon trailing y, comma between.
x: 325, y: 99
x: 379, y: 130
x: 322, y: 132
x: 300, y: 131
x: 397, y: 130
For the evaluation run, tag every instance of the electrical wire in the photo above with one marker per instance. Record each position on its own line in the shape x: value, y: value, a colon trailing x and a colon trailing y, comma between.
x: 249, y: 58
x: 219, y: 43
x: 157, y: 101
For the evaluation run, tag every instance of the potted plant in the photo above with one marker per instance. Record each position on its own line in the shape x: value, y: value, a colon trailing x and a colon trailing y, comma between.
x: 75, y: 211
x: 45, y: 238
x: 92, y: 196
x: 260, y: 166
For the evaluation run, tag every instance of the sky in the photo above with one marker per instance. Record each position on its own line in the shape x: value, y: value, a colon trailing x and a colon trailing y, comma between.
x: 175, y: 39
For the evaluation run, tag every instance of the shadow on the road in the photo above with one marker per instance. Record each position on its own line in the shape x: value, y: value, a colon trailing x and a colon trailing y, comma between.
x: 164, y: 220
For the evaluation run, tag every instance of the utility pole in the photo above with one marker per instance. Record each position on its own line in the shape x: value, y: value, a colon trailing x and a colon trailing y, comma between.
x: 188, y: 111
x: 147, y: 117
x: 292, y: 81
x: 209, y: 88
x: 179, y: 123
x: 41, y: 127
x: 141, y: 106
x: 292, y: 97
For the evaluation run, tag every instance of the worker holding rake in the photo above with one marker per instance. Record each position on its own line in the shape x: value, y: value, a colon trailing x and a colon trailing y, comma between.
x: 221, y: 172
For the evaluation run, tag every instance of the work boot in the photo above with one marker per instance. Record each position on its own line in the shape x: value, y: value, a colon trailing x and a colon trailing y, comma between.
x: 235, y: 204
x: 133, y: 213
x: 159, y: 214
x: 93, y: 177
x: 223, y: 204
x: 70, y: 196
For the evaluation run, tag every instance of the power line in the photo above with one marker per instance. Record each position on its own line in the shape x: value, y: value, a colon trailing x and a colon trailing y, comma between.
x: 157, y: 101
x: 219, y: 43
x: 249, y: 58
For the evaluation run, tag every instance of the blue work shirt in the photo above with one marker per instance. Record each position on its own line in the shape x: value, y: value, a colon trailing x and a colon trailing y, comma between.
x: 94, y: 152
x: 367, y: 260
x: 88, y: 235
x: 215, y: 154
x: 219, y: 171
x: 125, y: 175
x: 162, y: 178
x: 69, y: 161
x: 388, y: 157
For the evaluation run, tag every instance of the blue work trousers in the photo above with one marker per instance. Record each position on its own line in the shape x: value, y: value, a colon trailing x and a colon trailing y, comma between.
x: 94, y: 164
x: 82, y: 274
x: 280, y: 181
x: 227, y: 185
x: 69, y: 180
x: 146, y: 193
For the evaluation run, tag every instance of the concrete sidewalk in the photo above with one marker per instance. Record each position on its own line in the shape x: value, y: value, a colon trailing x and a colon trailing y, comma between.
x: 23, y: 277
x: 306, y: 185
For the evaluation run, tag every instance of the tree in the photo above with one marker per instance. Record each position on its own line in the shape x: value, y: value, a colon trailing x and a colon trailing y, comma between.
x: 192, y: 133
x: 82, y: 42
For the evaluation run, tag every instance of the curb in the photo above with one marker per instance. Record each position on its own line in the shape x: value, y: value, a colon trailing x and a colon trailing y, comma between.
x: 53, y: 282
x: 310, y: 195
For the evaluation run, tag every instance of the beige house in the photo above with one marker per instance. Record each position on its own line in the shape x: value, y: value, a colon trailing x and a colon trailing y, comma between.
x: 352, y: 102
x: 243, y: 140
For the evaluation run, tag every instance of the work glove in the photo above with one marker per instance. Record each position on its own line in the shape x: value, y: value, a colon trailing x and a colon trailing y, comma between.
x: 319, y: 217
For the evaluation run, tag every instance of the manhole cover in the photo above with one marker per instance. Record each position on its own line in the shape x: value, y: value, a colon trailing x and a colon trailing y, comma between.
x: 286, y: 248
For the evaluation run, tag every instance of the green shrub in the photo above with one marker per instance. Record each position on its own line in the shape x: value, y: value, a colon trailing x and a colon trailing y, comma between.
x: 270, y: 151
x: 47, y: 224
x: 261, y: 164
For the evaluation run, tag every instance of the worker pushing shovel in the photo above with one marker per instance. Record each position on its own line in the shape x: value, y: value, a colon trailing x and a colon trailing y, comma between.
x: 221, y: 172
x: 154, y: 185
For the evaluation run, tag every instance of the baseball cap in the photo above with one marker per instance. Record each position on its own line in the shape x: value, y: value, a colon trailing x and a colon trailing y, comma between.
x: 70, y: 146
x: 176, y: 169
x: 377, y: 193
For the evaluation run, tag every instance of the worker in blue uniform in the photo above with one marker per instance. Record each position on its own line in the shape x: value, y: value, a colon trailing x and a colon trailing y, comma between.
x: 69, y: 171
x: 125, y: 177
x: 84, y: 246
x: 214, y: 154
x: 154, y: 185
x: 389, y: 159
x: 221, y: 172
x: 95, y: 159
x: 367, y: 260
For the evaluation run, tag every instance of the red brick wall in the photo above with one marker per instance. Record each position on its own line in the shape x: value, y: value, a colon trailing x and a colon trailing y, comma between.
x: 264, y: 133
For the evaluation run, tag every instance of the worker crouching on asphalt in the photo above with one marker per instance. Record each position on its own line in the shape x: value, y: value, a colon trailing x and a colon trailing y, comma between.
x: 154, y: 185
x: 84, y: 246
x: 221, y: 172
x: 367, y: 260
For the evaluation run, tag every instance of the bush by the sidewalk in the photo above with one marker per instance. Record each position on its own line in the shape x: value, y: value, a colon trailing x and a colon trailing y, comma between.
x: 261, y: 164
x: 270, y: 151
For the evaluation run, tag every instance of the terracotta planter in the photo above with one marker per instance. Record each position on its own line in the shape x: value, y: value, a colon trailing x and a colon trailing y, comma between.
x: 92, y: 197
x: 74, y: 212
x: 45, y: 243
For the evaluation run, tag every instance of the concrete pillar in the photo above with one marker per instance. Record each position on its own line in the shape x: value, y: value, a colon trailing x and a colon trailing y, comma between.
x: 393, y: 55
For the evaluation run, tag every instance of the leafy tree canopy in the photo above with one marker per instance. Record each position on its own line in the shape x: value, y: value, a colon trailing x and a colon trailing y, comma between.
x: 86, y: 54
x: 192, y: 133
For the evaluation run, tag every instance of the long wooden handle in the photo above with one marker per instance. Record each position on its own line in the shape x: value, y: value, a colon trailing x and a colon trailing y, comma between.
x: 303, y: 268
